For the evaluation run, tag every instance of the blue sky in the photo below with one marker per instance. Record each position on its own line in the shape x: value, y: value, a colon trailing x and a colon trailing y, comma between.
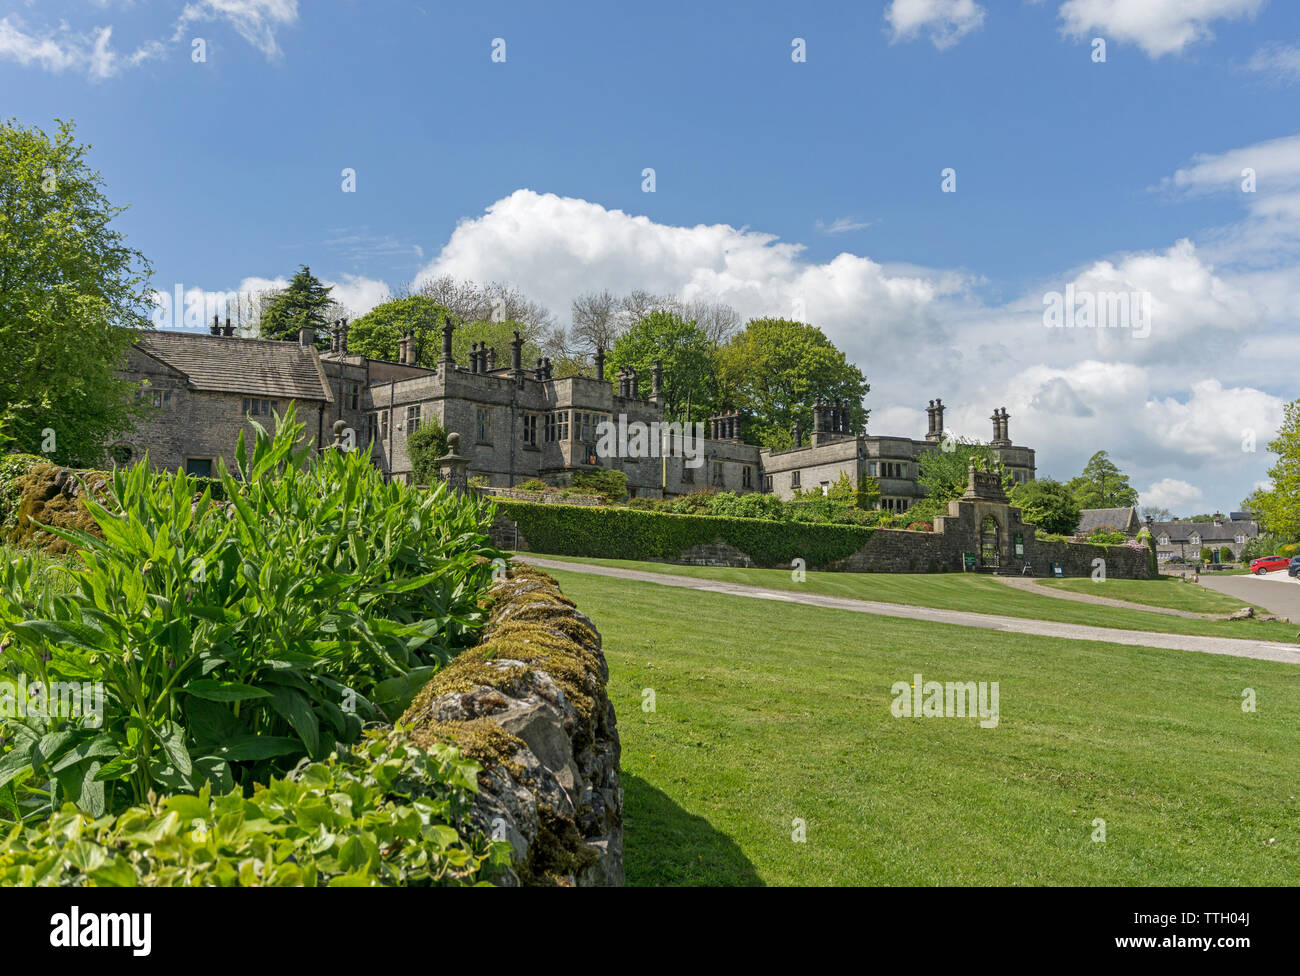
x: 813, y: 185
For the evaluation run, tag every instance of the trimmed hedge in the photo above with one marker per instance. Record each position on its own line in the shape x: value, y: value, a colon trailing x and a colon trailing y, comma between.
x: 627, y: 533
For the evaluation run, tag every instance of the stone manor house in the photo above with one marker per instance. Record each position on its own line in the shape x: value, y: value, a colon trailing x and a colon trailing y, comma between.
x: 516, y: 424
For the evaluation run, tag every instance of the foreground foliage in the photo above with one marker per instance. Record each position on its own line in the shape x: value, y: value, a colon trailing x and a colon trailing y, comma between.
x: 385, y: 813
x: 233, y: 639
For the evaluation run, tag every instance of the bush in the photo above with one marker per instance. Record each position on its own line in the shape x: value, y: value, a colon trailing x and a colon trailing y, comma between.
x: 532, y: 484
x: 625, y: 533
x: 424, y: 446
x: 386, y: 813
x: 1225, y: 554
x: 608, y: 484
x: 752, y: 505
x: 1207, y: 554
x: 1103, y: 537
x: 696, y: 503
x: 230, y: 640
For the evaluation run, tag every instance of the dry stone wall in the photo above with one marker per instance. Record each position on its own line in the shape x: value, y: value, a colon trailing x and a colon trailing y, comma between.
x: 529, y: 704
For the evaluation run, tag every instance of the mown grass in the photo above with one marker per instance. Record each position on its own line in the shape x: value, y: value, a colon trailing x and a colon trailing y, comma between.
x: 1167, y: 591
x: 764, y: 714
x: 966, y: 591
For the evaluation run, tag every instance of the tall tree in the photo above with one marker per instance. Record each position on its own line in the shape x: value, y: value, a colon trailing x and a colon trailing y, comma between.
x: 306, y: 302
x: 777, y: 369
x: 596, y: 320
x: 1102, y: 485
x: 73, y: 296
x: 687, y: 357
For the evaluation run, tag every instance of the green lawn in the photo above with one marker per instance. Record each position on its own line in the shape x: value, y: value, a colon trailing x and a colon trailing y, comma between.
x: 765, y: 713
x: 967, y: 591
x: 1167, y: 591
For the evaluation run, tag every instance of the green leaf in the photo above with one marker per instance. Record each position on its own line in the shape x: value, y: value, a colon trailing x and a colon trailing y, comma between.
x: 223, y: 691
x: 258, y: 747
x: 296, y: 710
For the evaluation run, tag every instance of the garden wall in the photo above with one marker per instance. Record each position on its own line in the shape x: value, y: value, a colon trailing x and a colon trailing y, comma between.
x: 529, y: 704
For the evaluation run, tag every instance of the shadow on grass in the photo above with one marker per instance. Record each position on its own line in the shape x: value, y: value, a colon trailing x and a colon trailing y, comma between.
x: 665, y: 845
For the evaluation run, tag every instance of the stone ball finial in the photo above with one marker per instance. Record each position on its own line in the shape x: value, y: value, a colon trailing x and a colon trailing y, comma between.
x: 453, y: 442
x: 339, y: 427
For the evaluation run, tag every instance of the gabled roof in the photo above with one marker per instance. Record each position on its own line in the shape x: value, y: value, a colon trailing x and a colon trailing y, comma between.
x: 1207, y: 532
x: 1115, y: 519
x: 251, y: 367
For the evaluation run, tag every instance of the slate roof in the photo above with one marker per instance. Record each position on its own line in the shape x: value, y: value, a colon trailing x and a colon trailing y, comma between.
x: 1208, y: 532
x: 251, y: 367
x: 1115, y: 519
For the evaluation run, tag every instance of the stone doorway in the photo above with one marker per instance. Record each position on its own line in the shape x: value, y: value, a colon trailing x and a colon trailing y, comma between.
x: 990, y: 544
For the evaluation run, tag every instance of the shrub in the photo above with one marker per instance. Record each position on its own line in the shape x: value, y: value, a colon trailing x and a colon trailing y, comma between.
x: 751, y: 505
x: 696, y: 503
x: 625, y: 533
x: 532, y: 484
x: 1225, y: 554
x: 1104, y: 537
x: 607, y: 483
x: 386, y: 813
x: 233, y: 639
x: 424, y: 446
x: 1207, y: 555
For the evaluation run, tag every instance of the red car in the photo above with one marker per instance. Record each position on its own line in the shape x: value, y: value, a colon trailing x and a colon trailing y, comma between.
x: 1269, y: 564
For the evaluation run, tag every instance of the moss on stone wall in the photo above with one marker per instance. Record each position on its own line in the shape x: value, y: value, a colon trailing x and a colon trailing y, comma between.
x: 50, y: 495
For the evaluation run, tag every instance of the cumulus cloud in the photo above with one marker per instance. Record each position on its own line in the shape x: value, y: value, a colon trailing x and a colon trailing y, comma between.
x: 1159, y: 27
x: 945, y: 22
x: 1173, y: 494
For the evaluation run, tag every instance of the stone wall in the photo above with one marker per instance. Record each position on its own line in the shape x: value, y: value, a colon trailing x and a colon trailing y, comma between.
x: 529, y: 704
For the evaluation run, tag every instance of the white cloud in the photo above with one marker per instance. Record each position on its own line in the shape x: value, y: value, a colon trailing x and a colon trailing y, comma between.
x: 61, y: 49
x: 945, y: 22
x: 256, y: 21
x: 842, y: 225
x: 1281, y: 62
x: 1173, y: 494
x: 1159, y: 27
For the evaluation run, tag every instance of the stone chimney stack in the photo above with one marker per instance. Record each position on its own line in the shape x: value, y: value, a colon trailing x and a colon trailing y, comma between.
x: 215, y: 328
x: 473, y: 358
x: 632, y: 391
x: 343, y: 336
x: 657, y: 380
x: 546, y: 368
x: 334, y: 338
x: 1001, y: 423
x: 447, y: 330
x: 938, y: 419
x: 492, y: 359
x: 798, y: 434
x: 229, y: 330
x: 306, y: 336
x: 537, y: 371
x: 600, y: 362
x: 517, y: 357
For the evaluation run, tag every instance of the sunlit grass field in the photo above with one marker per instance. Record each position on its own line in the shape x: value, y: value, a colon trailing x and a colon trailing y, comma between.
x: 766, y: 714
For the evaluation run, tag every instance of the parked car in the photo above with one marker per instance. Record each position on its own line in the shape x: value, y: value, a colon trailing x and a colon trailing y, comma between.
x: 1269, y: 564
x: 1294, y: 568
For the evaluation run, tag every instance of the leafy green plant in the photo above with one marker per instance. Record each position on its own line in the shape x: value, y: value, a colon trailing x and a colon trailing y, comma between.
x: 425, y: 445
x: 384, y: 813
x: 608, y: 483
x: 232, y: 639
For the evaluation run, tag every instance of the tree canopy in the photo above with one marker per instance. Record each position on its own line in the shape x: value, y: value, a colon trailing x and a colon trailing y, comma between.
x: 687, y: 357
x: 942, y: 472
x: 73, y: 296
x: 1102, y: 485
x: 305, y: 302
x: 1047, y: 504
x: 776, y: 369
x: 378, y: 333
x: 1278, y: 506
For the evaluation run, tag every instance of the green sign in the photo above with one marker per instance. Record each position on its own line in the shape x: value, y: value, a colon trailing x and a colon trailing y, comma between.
x: 968, y: 561
x: 1057, y: 569
x: 1020, y: 545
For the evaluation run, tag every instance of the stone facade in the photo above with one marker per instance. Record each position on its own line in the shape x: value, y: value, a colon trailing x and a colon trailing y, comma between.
x: 516, y: 424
